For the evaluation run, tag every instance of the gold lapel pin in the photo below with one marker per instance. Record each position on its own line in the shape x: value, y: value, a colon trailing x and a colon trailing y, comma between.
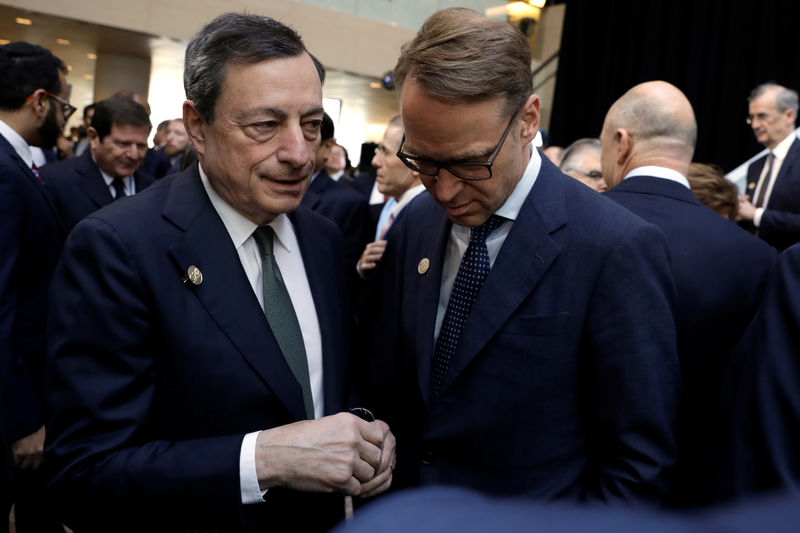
x: 751, y: 185
x: 423, y: 265
x: 195, y: 276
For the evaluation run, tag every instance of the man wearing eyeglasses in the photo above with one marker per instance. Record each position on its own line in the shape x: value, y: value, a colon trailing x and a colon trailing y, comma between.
x: 648, y: 141
x: 581, y: 160
x: 524, y: 341
x: 771, y: 206
x: 33, y: 111
x: 109, y: 170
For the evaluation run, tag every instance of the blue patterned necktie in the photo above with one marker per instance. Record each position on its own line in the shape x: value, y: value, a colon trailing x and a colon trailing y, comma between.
x: 470, y: 278
x: 281, y: 316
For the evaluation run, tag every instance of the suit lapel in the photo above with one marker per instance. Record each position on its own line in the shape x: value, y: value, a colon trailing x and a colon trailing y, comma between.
x: 33, y: 181
x: 525, y: 256
x: 92, y: 181
x: 431, y: 246
x: 317, y: 258
x: 206, y: 244
x: 784, y: 177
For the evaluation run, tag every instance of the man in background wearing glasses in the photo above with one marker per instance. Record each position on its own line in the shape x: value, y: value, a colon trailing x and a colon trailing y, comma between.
x: 771, y: 206
x: 581, y: 160
x: 33, y: 111
x: 524, y: 337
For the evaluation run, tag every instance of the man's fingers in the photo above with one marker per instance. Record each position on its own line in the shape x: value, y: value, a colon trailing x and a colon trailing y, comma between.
x: 363, y: 471
x: 378, y: 484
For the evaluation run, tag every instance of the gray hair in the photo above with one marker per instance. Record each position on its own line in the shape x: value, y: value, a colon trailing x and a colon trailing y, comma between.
x: 576, y: 149
x: 784, y: 99
x: 231, y: 39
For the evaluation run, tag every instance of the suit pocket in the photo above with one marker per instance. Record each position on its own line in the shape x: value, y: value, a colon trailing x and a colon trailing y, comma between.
x: 539, y: 325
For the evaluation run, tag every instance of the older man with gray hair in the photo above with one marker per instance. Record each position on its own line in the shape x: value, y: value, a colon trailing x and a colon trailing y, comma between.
x: 771, y: 207
x: 582, y: 161
x: 198, y: 353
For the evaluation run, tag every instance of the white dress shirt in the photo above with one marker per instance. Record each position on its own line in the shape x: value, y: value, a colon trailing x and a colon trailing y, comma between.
x: 290, y: 262
x: 128, y: 182
x: 780, y: 151
x: 659, y: 172
x: 17, y: 143
x: 459, y: 235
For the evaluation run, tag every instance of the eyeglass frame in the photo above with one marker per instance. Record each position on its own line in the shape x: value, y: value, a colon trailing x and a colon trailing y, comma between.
x: 762, y: 117
x: 66, y: 108
x: 407, y: 159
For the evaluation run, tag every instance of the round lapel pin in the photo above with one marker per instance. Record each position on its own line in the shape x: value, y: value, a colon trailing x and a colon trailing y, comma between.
x: 195, y: 276
x: 423, y: 265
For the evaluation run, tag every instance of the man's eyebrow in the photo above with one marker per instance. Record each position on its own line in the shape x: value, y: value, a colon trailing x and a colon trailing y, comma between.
x: 276, y: 112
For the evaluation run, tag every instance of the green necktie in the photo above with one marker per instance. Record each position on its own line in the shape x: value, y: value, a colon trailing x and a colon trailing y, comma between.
x: 281, y: 316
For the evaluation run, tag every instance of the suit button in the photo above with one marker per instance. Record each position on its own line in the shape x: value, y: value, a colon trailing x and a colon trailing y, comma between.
x: 427, y: 457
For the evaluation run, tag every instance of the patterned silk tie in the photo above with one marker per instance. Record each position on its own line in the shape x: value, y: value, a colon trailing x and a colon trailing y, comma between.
x: 470, y: 278
x: 35, y: 170
x: 281, y: 316
x: 119, y: 188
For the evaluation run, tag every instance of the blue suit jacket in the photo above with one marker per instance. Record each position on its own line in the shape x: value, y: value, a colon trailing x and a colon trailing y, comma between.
x: 720, y: 272
x: 154, y: 381
x: 565, y: 382
x: 760, y: 407
x: 78, y: 188
x: 31, y: 237
x: 780, y: 224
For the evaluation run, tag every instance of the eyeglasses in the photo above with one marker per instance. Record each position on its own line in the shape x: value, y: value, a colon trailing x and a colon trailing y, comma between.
x: 67, y: 108
x: 460, y: 169
x: 761, y: 117
x: 594, y: 174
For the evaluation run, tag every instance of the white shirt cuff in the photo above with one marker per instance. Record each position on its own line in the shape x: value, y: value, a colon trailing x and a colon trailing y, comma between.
x: 248, y: 478
x: 757, y: 216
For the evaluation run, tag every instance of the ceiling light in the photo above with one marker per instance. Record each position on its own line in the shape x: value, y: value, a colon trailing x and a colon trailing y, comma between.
x: 375, y: 85
x: 89, y: 77
x: 69, y: 68
x: 65, y: 42
x: 24, y: 22
x: 91, y: 56
x: 4, y: 42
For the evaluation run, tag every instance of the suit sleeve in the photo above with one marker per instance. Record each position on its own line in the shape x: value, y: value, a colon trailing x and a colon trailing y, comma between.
x: 783, y: 222
x: 759, y: 438
x: 633, y: 372
x: 101, y: 365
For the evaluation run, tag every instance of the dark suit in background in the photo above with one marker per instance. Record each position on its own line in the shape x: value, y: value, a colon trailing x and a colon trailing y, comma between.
x: 780, y: 223
x: 78, y: 188
x: 346, y: 208
x: 759, y: 444
x: 171, y: 380
x: 720, y: 272
x: 31, y: 237
x: 565, y: 382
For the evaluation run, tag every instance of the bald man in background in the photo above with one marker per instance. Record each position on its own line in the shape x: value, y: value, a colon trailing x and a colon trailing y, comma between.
x: 648, y: 141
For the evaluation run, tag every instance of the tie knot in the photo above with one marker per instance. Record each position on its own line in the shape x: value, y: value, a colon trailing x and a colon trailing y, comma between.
x: 482, y: 232
x: 264, y: 236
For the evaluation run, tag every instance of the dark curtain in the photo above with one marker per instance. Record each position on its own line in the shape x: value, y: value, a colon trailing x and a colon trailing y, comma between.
x: 715, y: 51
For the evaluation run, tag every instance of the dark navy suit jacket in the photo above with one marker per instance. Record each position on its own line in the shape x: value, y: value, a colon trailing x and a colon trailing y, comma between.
x: 780, y: 223
x: 31, y: 237
x: 565, y: 381
x: 78, y: 188
x: 344, y: 206
x: 760, y: 407
x: 154, y: 380
x: 720, y: 272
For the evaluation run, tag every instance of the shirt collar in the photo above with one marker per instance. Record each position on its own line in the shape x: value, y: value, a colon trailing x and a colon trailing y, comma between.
x: 17, y: 142
x: 659, y: 172
x: 239, y: 227
x: 406, y: 197
x: 510, y: 209
x: 107, y: 177
x: 782, y: 148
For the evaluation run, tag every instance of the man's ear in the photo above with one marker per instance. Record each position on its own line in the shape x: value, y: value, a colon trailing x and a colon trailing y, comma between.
x: 39, y: 102
x: 195, y: 127
x: 625, y: 145
x: 94, y: 138
x: 530, y: 118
